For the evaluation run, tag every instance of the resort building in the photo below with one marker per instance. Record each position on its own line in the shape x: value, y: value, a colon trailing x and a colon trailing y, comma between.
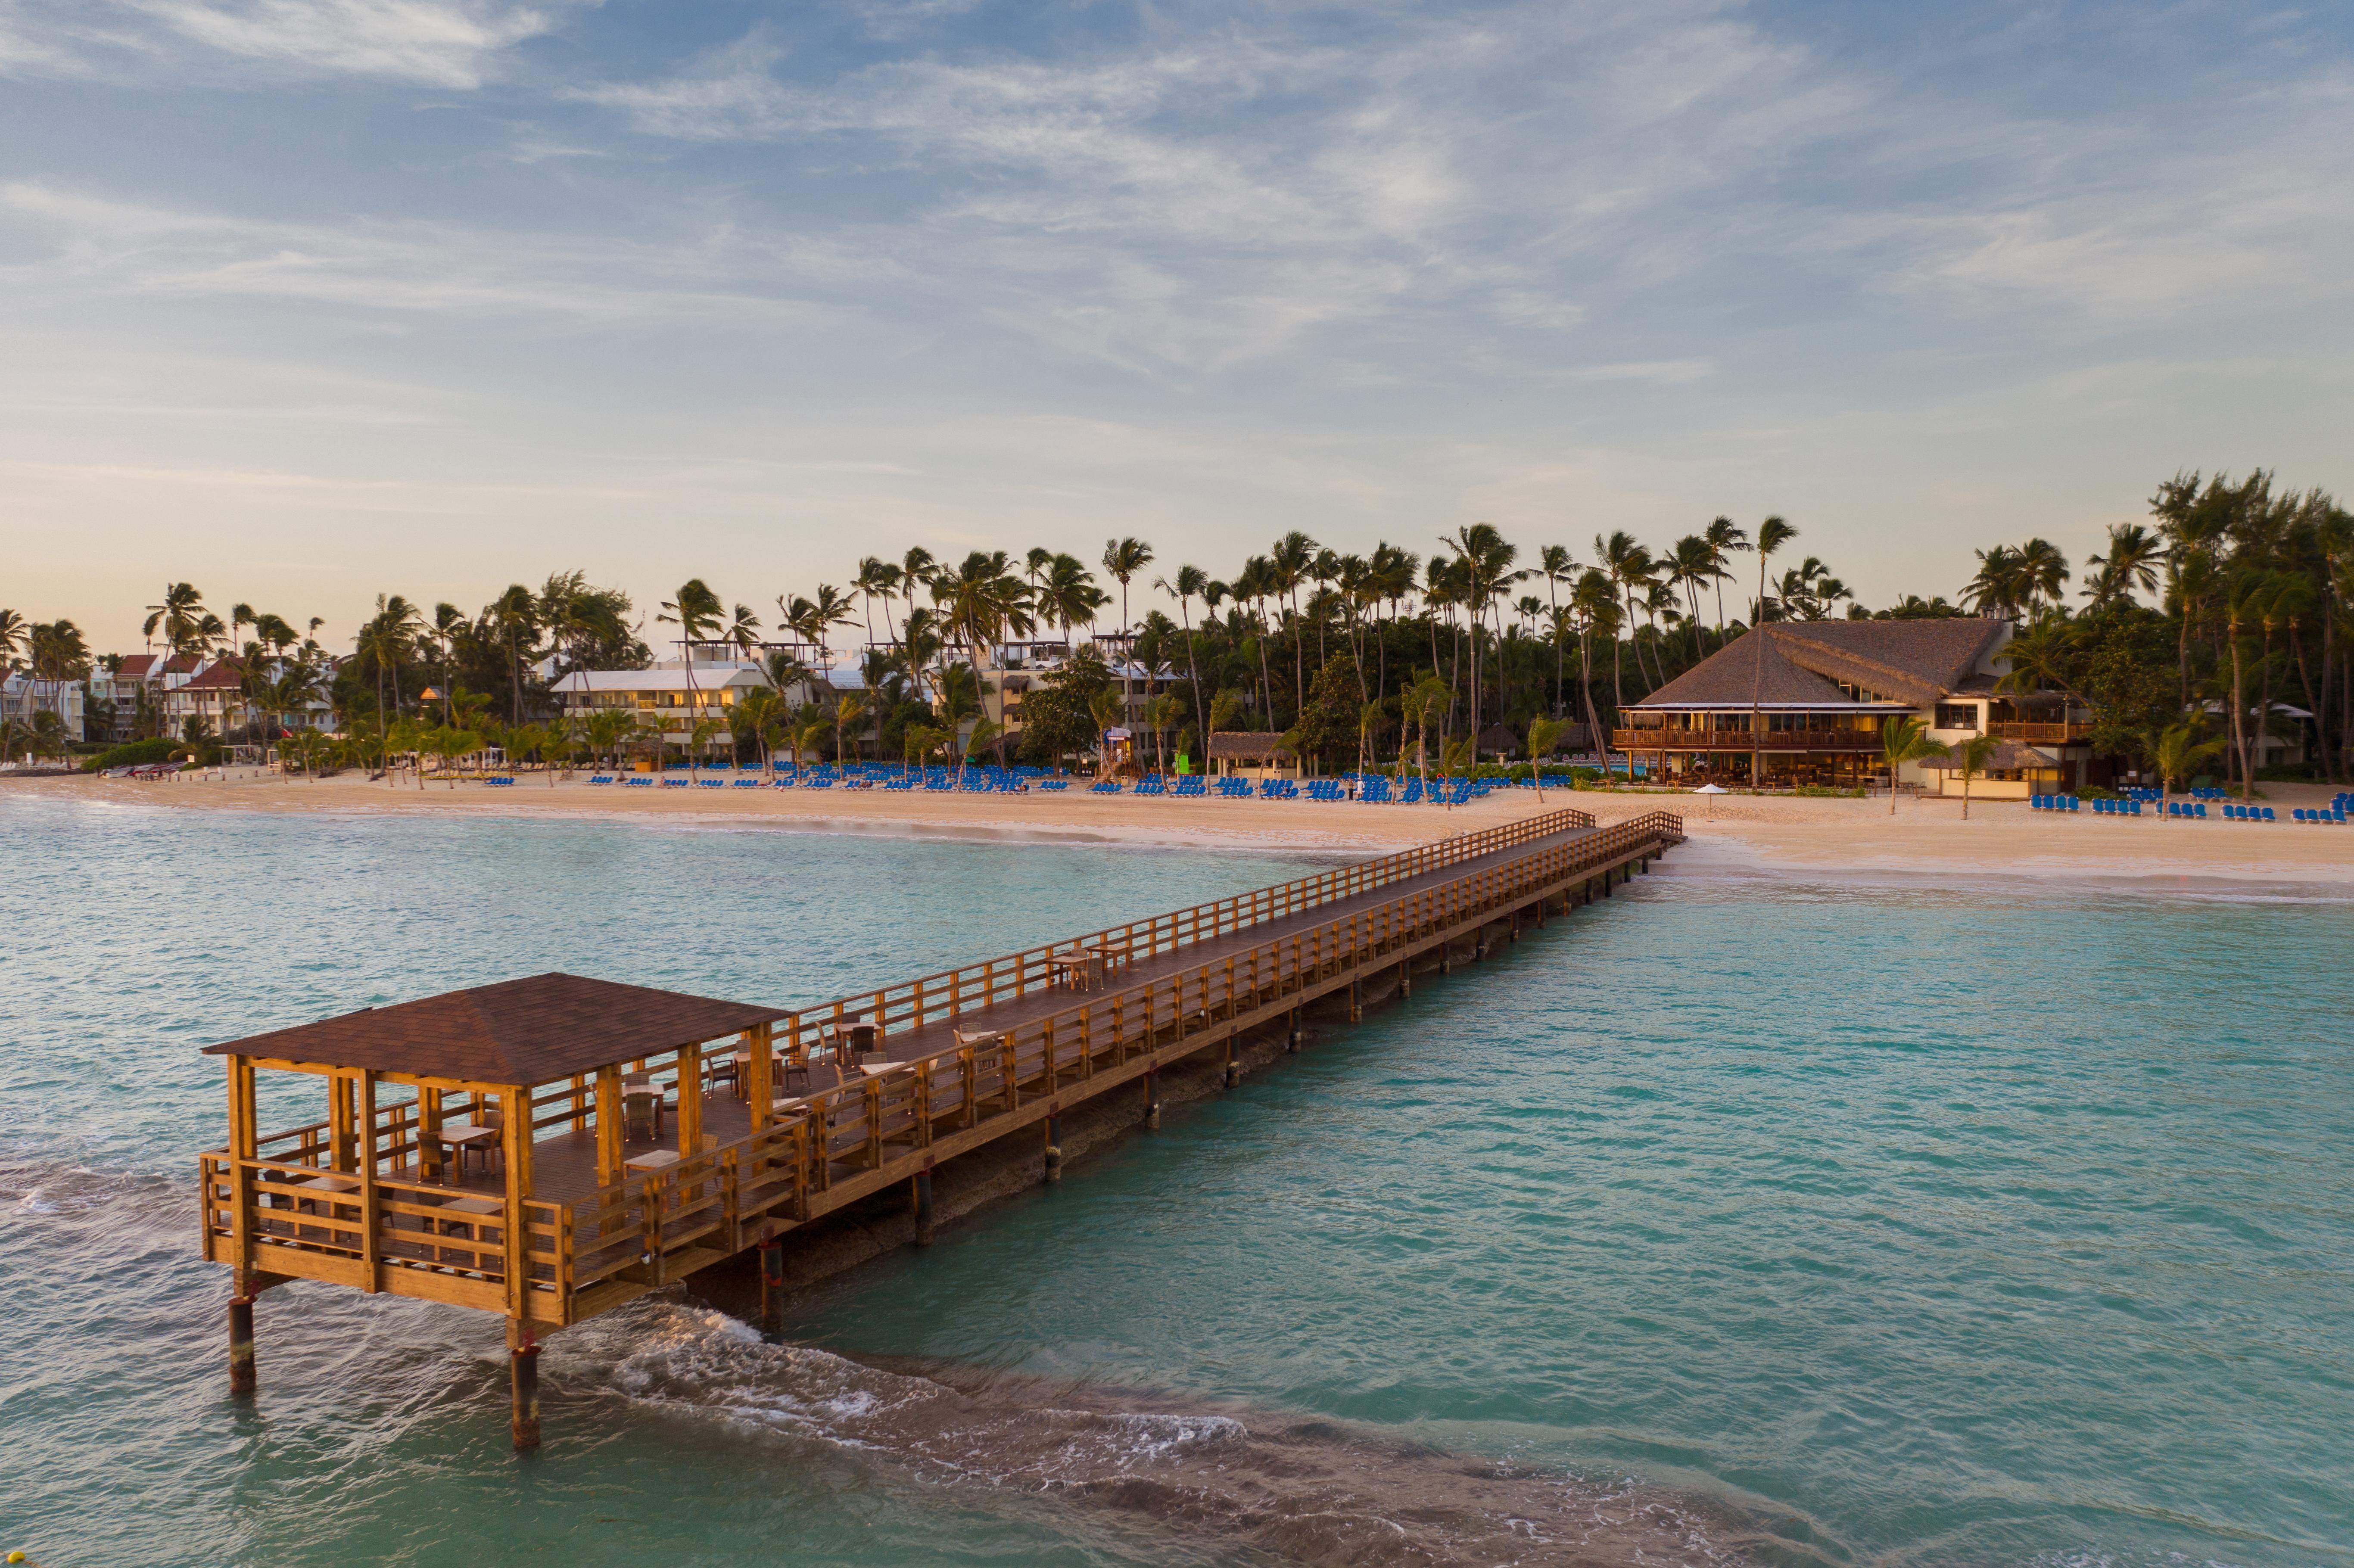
x: 22, y: 696
x: 212, y: 690
x: 139, y: 675
x: 1819, y: 692
x: 666, y: 699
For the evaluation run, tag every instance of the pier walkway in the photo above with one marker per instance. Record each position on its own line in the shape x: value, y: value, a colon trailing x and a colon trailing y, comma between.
x: 570, y: 1083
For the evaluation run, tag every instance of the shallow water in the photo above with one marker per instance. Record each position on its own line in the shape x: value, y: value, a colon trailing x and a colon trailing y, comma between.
x: 1736, y: 1218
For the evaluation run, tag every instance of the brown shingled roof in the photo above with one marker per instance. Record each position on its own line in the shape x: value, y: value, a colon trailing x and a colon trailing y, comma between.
x: 531, y: 1031
x: 1913, y: 661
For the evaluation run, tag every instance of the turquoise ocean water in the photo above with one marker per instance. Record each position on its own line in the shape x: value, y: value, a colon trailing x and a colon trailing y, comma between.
x: 1738, y: 1218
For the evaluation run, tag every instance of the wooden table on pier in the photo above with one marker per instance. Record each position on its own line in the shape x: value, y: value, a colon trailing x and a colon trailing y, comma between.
x: 652, y: 1160
x: 463, y: 1136
x: 1081, y: 970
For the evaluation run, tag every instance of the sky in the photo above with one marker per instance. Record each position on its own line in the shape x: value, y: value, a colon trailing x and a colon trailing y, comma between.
x: 304, y: 301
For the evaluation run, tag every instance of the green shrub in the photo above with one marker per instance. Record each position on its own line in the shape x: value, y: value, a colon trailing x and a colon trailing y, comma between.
x: 132, y: 754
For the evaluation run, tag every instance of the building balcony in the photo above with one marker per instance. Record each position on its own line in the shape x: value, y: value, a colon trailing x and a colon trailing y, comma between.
x: 1844, y: 741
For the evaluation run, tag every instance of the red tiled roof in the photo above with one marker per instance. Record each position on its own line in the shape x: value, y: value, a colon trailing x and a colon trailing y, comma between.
x: 181, y: 664
x: 531, y: 1031
x: 135, y: 665
x: 221, y: 676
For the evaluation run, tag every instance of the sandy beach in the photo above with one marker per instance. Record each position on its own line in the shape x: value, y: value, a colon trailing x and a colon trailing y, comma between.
x: 1924, y: 836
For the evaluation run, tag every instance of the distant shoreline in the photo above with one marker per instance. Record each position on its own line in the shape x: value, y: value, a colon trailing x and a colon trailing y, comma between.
x: 1781, y: 833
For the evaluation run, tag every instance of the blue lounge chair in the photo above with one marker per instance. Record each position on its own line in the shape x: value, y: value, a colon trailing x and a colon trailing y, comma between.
x: 601, y: 778
x: 1104, y: 786
x: 1055, y: 784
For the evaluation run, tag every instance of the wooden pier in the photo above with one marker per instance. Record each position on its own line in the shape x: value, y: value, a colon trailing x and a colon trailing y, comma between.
x: 549, y: 1148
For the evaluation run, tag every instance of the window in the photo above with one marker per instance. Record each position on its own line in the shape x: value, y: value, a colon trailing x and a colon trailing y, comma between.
x: 1957, y: 716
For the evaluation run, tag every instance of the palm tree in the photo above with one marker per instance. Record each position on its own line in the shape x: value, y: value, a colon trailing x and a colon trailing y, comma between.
x: 1483, y: 562
x: 1903, y: 739
x: 759, y: 713
x: 1725, y: 536
x: 1289, y: 563
x: 1191, y: 581
x: 1123, y: 558
x: 1545, y: 733
x: 981, y: 602
x: 697, y: 612
x: 607, y: 728
x: 449, y: 620
x: 1553, y: 563
x: 513, y: 618
x: 846, y: 711
x: 1772, y: 534
x: 181, y: 615
x: 876, y: 579
x: 1425, y: 701
x: 1692, y: 560
x: 1970, y: 757
x: 2131, y: 564
x: 2175, y: 752
x: 2044, y: 570
x: 742, y: 633
x: 1372, y: 717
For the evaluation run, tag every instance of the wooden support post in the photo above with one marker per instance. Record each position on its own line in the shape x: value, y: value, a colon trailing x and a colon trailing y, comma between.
x: 772, y: 1287
x: 1405, y: 978
x: 923, y: 1208
x: 1516, y: 924
x: 523, y: 1362
x: 1447, y: 956
x: 690, y: 1101
x: 1291, y: 1034
x: 1356, y: 1001
x: 609, y: 1126
x: 1233, y: 1068
x: 1151, y: 1097
x: 1053, y: 1147
x: 241, y: 1379
x: 760, y: 1093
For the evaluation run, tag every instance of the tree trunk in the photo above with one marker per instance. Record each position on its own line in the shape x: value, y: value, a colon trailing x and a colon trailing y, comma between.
x: 2239, y: 725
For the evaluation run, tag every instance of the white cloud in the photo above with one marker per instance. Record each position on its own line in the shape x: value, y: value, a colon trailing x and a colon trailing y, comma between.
x: 453, y: 44
x: 98, y: 246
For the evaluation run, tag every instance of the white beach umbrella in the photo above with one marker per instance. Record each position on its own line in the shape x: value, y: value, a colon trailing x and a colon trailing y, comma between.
x: 1712, y: 790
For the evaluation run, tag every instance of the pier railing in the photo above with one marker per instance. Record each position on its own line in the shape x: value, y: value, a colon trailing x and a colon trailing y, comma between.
x: 839, y: 1144
x: 566, y: 1261
x: 952, y: 992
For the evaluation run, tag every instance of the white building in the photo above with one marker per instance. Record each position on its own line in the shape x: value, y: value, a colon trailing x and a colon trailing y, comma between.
x: 669, y: 697
x: 22, y: 696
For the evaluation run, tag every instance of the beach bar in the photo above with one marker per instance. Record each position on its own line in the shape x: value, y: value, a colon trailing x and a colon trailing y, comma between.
x: 551, y: 1147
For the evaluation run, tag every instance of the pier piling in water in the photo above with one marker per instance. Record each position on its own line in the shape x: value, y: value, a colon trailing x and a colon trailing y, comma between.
x: 240, y: 1345
x: 772, y: 1286
x: 522, y: 1363
x: 1291, y: 1034
x: 1053, y: 1146
x: 923, y: 1208
x: 1151, y: 1097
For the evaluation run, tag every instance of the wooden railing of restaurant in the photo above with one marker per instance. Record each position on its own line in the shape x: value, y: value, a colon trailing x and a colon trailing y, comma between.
x: 1742, y: 740
x: 573, y: 1259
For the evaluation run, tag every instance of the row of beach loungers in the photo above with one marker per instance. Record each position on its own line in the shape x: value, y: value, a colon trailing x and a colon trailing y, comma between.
x: 1369, y: 788
x: 2195, y: 810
